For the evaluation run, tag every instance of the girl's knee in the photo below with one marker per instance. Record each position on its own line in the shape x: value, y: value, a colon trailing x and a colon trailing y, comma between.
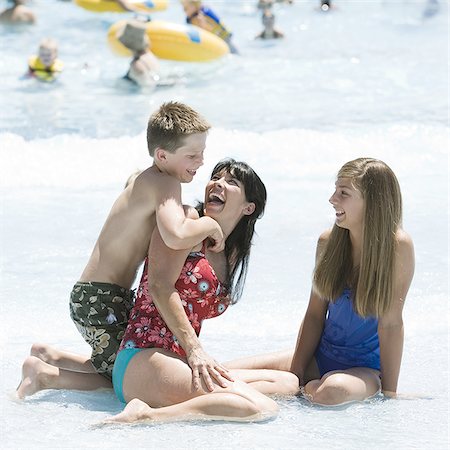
x: 331, y: 390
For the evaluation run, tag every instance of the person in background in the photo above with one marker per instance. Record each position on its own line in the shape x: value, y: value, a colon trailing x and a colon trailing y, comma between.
x: 18, y: 13
x: 325, y: 5
x: 144, y: 67
x: 269, y: 32
x: 45, y: 66
x: 204, y: 17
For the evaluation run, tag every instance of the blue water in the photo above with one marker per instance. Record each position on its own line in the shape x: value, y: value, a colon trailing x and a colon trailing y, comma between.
x: 368, y: 79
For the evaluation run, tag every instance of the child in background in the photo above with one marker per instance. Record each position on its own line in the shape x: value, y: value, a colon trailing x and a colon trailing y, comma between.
x: 269, y: 32
x: 17, y: 14
x: 45, y: 66
x: 204, y: 17
x: 144, y: 66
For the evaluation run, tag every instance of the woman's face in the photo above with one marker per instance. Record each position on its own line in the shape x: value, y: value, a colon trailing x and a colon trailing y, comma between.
x: 225, y: 199
x: 348, y: 203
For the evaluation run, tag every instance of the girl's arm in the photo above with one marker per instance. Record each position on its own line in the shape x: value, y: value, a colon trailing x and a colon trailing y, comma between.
x: 164, y: 268
x: 311, y: 327
x: 309, y: 336
x: 390, y: 326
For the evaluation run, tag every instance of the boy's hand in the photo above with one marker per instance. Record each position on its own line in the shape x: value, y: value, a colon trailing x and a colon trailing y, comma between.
x: 218, y: 244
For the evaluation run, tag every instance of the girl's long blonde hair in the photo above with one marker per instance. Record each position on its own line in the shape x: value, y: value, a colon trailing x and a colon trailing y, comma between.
x: 372, y: 278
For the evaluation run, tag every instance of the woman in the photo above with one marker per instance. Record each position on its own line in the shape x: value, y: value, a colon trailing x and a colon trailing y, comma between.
x: 351, y: 339
x: 150, y: 372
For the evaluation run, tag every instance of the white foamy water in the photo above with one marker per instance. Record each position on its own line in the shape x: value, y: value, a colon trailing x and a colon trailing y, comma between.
x: 366, y: 80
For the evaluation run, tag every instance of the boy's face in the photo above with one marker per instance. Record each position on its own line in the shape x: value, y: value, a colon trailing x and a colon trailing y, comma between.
x: 47, y: 55
x: 184, y: 163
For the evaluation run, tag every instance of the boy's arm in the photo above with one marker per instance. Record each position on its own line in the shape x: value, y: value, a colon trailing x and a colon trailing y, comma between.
x: 164, y: 268
x: 178, y: 231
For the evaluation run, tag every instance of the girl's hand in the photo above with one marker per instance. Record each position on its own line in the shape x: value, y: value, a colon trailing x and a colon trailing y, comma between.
x: 206, y: 368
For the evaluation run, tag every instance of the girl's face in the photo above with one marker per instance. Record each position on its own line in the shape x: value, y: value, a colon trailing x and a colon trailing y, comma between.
x: 348, y: 203
x: 225, y: 199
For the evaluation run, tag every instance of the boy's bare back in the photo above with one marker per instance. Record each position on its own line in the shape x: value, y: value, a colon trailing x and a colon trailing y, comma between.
x: 125, y: 237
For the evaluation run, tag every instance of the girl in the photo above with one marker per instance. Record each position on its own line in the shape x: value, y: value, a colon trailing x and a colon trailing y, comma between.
x: 350, y: 342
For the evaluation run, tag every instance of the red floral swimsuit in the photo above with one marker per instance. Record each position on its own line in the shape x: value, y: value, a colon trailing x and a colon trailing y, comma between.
x: 202, y: 296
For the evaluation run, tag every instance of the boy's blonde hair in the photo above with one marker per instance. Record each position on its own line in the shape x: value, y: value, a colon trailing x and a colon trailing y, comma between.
x: 372, y: 278
x: 170, y: 124
x: 49, y: 43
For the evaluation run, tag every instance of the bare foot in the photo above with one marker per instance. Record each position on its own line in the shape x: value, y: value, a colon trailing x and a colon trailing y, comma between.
x: 31, y: 383
x: 135, y: 411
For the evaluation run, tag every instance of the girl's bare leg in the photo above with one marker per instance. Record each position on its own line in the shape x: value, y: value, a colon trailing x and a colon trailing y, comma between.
x: 62, y: 359
x: 167, y: 389
x: 337, y: 387
x: 277, y: 361
x: 38, y: 375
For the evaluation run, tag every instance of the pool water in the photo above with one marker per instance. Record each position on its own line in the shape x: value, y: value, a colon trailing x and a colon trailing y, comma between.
x: 365, y: 79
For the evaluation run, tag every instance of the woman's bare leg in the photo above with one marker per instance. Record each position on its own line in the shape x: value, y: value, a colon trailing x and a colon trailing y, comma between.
x: 269, y: 382
x: 277, y: 361
x: 337, y: 387
x: 38, y: 375
x: 167, y: 389
x: 62, y: 359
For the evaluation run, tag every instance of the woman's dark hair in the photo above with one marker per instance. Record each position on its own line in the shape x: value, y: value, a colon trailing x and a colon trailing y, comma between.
x: 238, y: 243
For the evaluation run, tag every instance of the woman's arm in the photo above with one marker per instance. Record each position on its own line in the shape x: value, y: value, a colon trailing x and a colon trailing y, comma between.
x: 311, y: 327
x: 165, y: 266
x: 390, y: 326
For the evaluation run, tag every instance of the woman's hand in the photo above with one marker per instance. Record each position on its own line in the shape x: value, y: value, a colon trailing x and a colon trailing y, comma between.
x: 206, y: 368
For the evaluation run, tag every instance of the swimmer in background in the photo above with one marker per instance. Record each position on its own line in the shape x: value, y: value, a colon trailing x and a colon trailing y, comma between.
x: 45, y: 66
x: 144, y: 67
x: 269, y: 32
x: 325, y: 5
x: 267, y: 4
x: 204, y: 17
x: 17, y: 14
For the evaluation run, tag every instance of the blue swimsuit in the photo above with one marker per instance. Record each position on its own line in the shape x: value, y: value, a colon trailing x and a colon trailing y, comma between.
x: 348, y: 340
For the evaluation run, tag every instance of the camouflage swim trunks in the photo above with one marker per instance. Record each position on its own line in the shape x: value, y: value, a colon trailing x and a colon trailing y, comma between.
x: 100, y: 312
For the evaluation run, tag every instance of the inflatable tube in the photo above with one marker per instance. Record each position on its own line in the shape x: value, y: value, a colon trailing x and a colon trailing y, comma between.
x: 144, y: 6
x: 173, y: 41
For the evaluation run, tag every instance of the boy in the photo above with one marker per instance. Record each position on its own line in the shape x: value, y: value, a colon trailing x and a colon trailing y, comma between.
x: 101, y: 300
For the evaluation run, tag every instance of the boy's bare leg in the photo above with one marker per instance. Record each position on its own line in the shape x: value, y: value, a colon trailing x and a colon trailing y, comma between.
x: 277, y: 361
x: 62, y: 359
x: 38, y: 375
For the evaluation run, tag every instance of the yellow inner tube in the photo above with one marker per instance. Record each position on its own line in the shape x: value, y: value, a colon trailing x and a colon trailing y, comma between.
x: 145, y: 6
x: 174, y: 41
